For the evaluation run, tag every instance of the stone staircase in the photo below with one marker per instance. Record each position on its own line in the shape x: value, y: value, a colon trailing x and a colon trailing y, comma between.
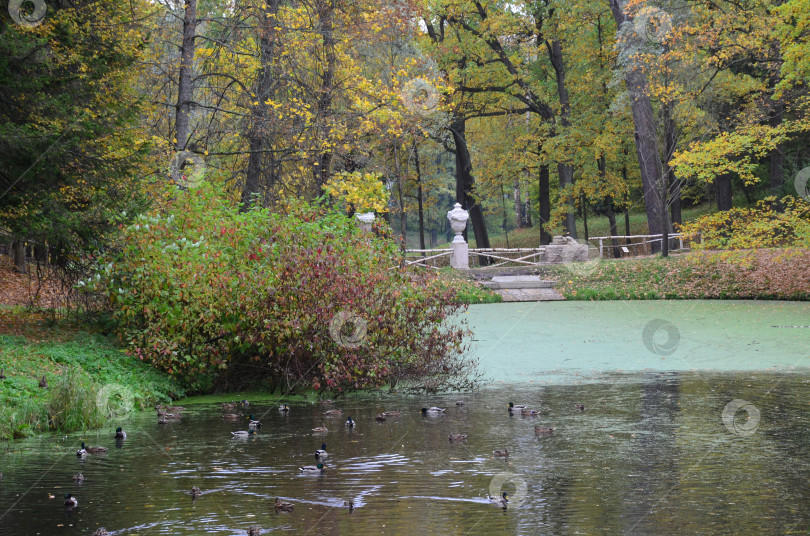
x: 523, y: 288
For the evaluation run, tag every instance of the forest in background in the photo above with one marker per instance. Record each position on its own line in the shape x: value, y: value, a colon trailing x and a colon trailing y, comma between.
x: 560, y: 109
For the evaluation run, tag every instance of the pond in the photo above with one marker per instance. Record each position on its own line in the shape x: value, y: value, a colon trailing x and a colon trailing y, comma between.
x: 712, y: 439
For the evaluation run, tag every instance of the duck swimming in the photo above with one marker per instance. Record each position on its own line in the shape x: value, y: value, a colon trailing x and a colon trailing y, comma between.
x: 253, y: 423
x: 284, y: 408
x: 540, y: 430
x: 320, y: 429
x: 78, y: 478
x: 313, y: 469
x: 433, y: 410
x: 70, y: 500
x: 321, y: 452
x: 458, y: 437
x: 517, y: 407
x: 195, y: 492
x: 500, y: 501
x: 91, y: 450
x: 243, y: 433
x: 333, y: 412
x: 120, y: 434
x: 280, y: 506
x: 350, y: 422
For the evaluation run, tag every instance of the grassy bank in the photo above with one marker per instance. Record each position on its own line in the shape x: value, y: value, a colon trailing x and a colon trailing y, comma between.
x: 766, y: 274
x: 90, y: 382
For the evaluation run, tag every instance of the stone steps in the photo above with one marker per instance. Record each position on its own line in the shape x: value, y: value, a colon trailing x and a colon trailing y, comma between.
x: 523, y: 288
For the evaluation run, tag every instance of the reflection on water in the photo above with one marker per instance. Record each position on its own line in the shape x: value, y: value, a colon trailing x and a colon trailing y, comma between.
x: 649, y: 455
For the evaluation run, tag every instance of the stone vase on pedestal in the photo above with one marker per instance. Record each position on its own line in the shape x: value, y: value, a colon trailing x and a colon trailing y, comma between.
x: 365, y: 221
x: 460, y: 254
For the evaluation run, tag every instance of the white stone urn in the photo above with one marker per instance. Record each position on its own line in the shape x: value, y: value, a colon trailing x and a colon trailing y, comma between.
x: 458, y: 221
x: 365, y: 221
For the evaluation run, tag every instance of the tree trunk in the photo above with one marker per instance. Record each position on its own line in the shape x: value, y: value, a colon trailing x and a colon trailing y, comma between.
x: 611, y: 216
x: 465, y: 183
x: 777, y: 156
x: 544, y: 199
x: 265, y: 83
x: 19, y: 256
x: 646, y: 137
x: 183, y: 108
x: 565, y: 171
x: 419, y: 197
x: 326, y: 10
x: 673, y: 187
x: 722, y: 184
x: 518, y: 204
x: 527, y: 213
x: 403, y: 222
x: 584, y: 207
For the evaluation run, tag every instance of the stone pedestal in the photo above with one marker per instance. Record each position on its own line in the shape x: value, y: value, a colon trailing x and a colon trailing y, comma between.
x: 365, y: 221
x: 460, y: 255
x: 564, y: 249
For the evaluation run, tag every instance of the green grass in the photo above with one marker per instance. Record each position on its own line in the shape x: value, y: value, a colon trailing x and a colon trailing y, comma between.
x: 90, y: 381
x: 467, y: 290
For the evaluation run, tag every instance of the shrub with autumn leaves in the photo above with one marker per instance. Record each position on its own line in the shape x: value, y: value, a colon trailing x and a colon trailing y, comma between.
x: 771, y: 223
x: 227, y: 299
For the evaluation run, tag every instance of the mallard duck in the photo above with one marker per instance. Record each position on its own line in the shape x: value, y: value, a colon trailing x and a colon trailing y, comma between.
x: 90, y: 450
x: 229, y: 405
x: 120, y: 433
x: 254, y: 423
x: 433, y: 410
x: 458, y: 437
x: 70, y: 500
x: 543, y: 430
x: 500, y: 501
x: 254, y: 531
x: 231, y: 416
x: 333, y: 412
x: 244, y: 404
x: 350, y: 504
x: 321, y: 452
x: 281, y: 506
x: 320, y: 429
x: 380, y: 417
x: 101, y: 531
x: 43, y: 383
x: 580, y: 407
x: 392, y: 413
x: 459, y: 402
x: 313, y: 469
x: 517, y: 407
x: 350, y: 422
x: 327, y: 402
x: 502, y: 453
x: 195, y: 492
x: 243, y: 433
x: 284, y: 408
x: 78, y: 478
x: 529, y: 412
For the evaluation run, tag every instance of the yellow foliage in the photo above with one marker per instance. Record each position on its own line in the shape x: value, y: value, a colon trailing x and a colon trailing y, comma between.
x: 365, y: 192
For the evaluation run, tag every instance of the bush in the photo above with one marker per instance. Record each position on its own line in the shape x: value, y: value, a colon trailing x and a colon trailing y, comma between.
x: 220, y: 298
x: 769, y: 224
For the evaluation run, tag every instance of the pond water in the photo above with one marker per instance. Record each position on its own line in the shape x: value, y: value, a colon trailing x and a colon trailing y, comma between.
x: 692, y: 444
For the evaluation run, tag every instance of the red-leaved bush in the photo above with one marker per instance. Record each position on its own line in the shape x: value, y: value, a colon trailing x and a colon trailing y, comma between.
x: 224, y: 299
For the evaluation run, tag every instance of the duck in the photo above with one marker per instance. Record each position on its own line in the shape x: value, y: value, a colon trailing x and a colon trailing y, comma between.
x: 433, y: 410
x: 321, y: 452
x: 284, y: 408
x: 195, y: 492
x: 327, y: 402
x: 91, y: 450
x: 580, y: 407
x: 231, y: 416
x: 120, y: 433
x: 459, y: 402
x: 229, y: 405
x: 254, y: 423
x: 500, y: 501
x: 244, y: 404
x: 333, y: 412
x: 350, y: 504
x: 313, y: 469
x: 380, y: 417
x: 254, y: 531
x: 243, y: 433
x: 458, y: 437
x: 517, y: 407
x: 101, y: 531
x: 43, y: 383
x: 70, y: 500
x: 543, y: 430
x: 281, y: 506
x: 78, y: 478
x: 529, y: 412
x: 320, y: 429
x: 501, y: 453
x: 350, y: 422
x: 392, y: 413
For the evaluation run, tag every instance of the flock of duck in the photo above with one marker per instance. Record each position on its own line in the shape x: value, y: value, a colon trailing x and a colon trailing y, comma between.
x: 168, y: 414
